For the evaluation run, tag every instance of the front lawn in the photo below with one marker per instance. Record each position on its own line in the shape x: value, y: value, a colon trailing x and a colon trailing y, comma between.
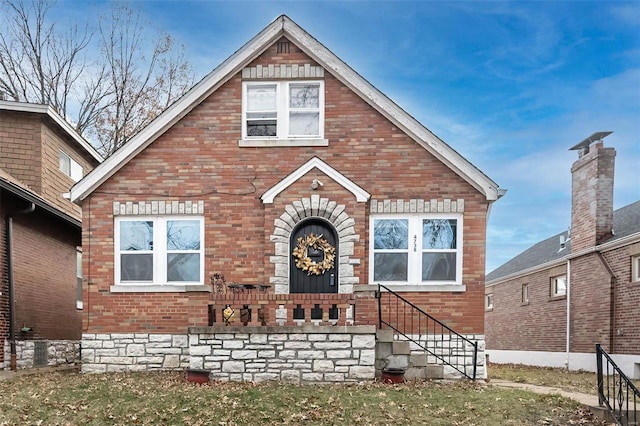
x: 167, y: 399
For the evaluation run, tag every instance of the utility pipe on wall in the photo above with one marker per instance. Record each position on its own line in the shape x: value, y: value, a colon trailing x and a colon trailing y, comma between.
x: 12, y: 308
x: 568, y: 342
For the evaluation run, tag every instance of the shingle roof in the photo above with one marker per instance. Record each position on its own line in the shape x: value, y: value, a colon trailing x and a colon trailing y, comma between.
x: 626, y: 221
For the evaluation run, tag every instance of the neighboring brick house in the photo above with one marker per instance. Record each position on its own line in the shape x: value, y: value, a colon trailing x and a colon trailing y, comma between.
x: 593, y: 270
x: 41, y: 157
x: 282, y: 140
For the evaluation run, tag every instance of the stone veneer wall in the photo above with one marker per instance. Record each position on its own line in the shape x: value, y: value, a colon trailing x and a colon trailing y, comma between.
x: 297, y: 354
x: 306, y: 354
x: 105, y: 353
x: 458, y: 350
x: 59, y: 352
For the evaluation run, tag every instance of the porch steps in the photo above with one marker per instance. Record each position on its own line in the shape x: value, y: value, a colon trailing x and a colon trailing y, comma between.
x: 396, y: 354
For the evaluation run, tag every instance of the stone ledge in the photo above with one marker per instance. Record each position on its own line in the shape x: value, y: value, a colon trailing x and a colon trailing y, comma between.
x: 312, y: 329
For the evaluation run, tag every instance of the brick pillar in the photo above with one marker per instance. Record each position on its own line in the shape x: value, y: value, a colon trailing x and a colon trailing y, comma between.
x: 592, y: 197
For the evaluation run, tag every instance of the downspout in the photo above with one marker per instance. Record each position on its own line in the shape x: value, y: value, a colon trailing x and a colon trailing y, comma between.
x: 12, y: 308
x: 568, y: 340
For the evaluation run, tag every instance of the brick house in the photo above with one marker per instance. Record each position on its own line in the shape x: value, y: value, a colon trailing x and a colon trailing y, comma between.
x: 552, y: 303
x: 281, y: 188
x: 41, y: 157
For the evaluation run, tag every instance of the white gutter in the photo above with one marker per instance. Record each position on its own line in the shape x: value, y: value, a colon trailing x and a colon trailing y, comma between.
x: 568, y: 342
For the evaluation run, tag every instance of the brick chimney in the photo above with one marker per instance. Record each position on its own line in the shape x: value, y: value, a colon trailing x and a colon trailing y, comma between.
x: 592, y: 193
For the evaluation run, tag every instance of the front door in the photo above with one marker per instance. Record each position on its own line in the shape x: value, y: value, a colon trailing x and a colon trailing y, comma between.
x: 314, y: 258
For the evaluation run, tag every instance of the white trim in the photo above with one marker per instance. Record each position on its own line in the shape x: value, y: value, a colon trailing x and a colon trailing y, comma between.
x: 57, y: 118
x: 324, y: 57
x: 414, y: 273
x: 159, y: 253
x: 425, y: 288
x: 121, y: 288
x: 281, y: 143
x: 361, y: 195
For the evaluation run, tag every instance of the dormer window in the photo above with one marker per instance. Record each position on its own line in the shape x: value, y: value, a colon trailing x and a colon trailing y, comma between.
x: 283, y: 110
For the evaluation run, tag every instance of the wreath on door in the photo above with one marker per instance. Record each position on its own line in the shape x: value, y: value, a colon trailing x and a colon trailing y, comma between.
x: 305, y: 263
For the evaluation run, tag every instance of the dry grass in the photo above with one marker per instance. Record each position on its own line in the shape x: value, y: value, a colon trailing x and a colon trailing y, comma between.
x: 572, y: 381
x: 167, y: 399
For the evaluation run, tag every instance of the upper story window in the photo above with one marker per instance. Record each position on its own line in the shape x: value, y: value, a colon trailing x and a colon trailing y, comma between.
x: 69, y: 166
x: 559, y: 286
x: 416, y: 249
x: 525, y: 294
x: 283, y: 110
x: 159, y: 250
x: 488, y: 302
x: 635, y: 268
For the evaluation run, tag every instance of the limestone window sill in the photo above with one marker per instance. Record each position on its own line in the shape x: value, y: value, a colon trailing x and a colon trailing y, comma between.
x: 120, y: 288
x: 280, y: 143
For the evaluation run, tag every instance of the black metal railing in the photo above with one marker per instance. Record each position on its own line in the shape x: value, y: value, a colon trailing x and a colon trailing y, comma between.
x: 431, y: 335
x: 615, y: 391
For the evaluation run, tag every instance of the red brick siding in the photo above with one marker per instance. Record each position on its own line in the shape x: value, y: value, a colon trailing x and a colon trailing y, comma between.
x: 537, y: 326
x: 590, y: 303
x: 199, y: 159
x: 626, y: 327
x: 592, y: 197
x: 45, y: 277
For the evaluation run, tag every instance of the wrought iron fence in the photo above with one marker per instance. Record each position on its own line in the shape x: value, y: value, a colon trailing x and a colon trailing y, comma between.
x: 437, y: 339
x: 615, y: 391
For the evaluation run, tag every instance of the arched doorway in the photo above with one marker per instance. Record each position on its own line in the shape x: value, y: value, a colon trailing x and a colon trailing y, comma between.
x: 301, y: 281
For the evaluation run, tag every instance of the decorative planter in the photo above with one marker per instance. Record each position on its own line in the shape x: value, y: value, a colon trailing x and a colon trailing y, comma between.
x: 197, y: 376
x: 393, y: 375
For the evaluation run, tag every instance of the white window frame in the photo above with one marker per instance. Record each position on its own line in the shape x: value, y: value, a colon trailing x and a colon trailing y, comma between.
x: 635, y: 268
x: 555, y: 292
x: 283, y: 110
x: 525, y: 294
x: 488, y: 301
x: 159, y: 252
x: 79, y: 304
x: 414, y: 278
x: 74, y: 171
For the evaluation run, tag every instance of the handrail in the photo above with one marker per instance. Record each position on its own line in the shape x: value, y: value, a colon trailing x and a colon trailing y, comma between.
x: 619, y: 395
x: 422, y: 329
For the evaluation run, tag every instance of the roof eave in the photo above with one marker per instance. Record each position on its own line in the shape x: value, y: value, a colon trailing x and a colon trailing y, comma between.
x: 279, y: 27
x: 177, y: 110
x: 393, y: 112
x: 57, y: 118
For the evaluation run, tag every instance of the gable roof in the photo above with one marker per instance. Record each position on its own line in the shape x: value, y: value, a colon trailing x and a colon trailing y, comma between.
x: 626, y: 223
x: 284, y: 26
x: 57, y: 118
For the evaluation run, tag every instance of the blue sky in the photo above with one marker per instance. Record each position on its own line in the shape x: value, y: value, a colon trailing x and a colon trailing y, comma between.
x: 509, y: 85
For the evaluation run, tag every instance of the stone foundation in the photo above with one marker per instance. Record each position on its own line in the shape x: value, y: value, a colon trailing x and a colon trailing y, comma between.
x: 58, y: 352
x: 295, y: 354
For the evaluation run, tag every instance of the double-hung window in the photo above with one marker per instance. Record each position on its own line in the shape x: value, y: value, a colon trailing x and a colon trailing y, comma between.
x: 283, y: 110
x: 416, y: 249
x: 159, y: 250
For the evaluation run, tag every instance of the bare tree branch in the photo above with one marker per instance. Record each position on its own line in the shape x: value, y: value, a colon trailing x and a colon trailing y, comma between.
x: 110, y: 97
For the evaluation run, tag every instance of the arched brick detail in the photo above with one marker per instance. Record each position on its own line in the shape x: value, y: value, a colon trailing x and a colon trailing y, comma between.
x: 311, y: 207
